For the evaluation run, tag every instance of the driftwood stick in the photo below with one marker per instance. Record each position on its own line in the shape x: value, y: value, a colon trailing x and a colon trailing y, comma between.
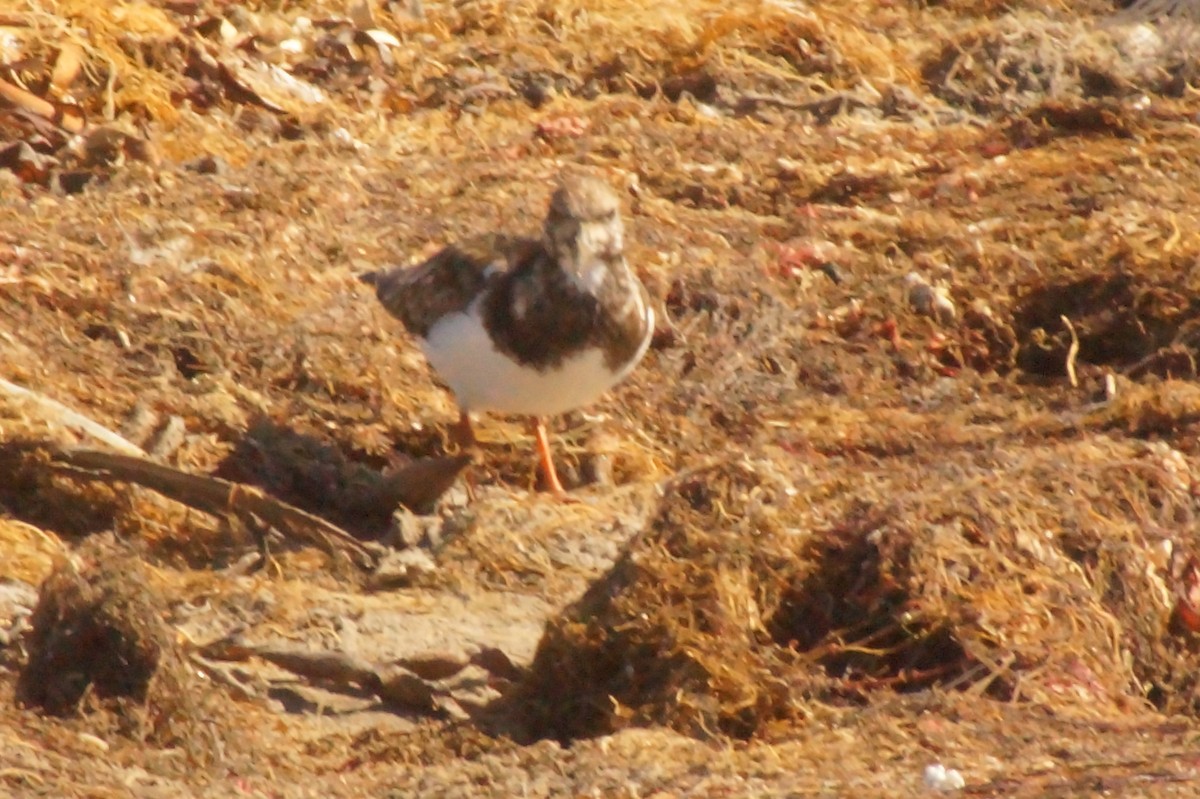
x: 390, y: 682
x: 42, y: 108
x: 213, y: 495
x: 424, y: 684
x: 327, y: 666
x: 53, y: 410
x: 220, y: 673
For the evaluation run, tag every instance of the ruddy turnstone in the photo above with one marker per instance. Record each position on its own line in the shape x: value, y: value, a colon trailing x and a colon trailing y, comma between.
x: 529, y: 327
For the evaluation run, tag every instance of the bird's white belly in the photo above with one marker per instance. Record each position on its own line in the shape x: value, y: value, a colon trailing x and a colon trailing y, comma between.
x: 484, y: 379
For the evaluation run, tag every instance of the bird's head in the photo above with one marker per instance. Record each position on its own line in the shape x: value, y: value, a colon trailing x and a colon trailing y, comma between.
x: 583, y: 228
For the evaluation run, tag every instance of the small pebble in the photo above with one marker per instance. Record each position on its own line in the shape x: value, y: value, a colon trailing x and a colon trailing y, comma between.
x: 942, y: 779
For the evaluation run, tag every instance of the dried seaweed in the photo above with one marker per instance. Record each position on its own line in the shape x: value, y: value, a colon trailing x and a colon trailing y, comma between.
x: 868, y: 524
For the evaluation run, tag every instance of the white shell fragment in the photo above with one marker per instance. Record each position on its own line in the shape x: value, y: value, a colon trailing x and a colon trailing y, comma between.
x: 941, y: 779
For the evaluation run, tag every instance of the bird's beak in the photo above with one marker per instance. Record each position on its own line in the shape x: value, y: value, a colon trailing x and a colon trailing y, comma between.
x: 609, y: 243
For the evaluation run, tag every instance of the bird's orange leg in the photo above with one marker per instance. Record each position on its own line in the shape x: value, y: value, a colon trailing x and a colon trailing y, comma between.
x: 464, y: 436
x: 464, y: 433
x: 543, y: 448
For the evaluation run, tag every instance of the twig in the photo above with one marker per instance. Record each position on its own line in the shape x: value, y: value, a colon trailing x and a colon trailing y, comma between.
x: 824, y: 107
x: 212, y: 495
x: 1072, y: 352
x: 224, y: 675
x: 391, y: 682
x: 334, y: 666
x: 431, y: 684
x: 42, y: 108
x: 56, y: 411
x: 337, y: 669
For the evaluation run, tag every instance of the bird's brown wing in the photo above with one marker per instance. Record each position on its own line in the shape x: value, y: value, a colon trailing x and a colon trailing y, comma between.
x: 448, y: 282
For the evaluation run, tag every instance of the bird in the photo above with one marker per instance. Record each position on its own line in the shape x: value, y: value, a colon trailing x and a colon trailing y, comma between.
x: 525, y: 326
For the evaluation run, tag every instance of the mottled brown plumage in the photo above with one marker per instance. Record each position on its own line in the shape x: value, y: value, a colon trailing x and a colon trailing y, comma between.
x: 447, y: 282
x: 520, y: 325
